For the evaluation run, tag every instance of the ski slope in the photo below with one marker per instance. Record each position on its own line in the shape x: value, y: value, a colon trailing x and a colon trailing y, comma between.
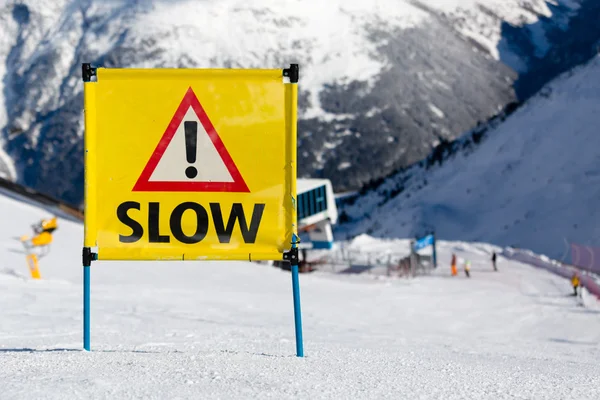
x: 225, y: 330
x: 531, y: 182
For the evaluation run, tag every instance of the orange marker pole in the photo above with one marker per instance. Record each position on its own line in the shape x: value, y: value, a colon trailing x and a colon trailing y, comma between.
x: 32, y: 262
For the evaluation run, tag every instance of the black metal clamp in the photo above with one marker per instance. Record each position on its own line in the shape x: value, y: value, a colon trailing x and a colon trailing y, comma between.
x: 293, y: 72
x: 88, y: 256
x: 87, y: 71
x: 292, y: 256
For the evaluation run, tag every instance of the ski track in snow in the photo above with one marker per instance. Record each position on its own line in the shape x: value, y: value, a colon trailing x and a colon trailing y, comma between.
x: 225, y: 329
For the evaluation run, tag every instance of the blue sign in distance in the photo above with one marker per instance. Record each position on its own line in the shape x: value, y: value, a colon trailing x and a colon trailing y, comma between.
x: 423, y: 242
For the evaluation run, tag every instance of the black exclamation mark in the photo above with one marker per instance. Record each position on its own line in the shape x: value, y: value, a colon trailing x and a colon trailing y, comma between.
x: 191, y: 139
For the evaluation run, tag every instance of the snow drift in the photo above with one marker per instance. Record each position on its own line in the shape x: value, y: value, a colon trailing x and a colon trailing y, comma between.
x: 225, y: 330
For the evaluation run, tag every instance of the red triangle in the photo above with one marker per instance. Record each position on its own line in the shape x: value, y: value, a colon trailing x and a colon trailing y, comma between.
x: 144, y: 184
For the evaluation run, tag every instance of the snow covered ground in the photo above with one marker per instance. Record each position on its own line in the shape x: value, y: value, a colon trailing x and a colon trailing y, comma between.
x: 225, y: 330
x: 7, y: 167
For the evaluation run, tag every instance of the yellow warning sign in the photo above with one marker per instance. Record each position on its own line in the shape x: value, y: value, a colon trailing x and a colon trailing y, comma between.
x: 190, y: 164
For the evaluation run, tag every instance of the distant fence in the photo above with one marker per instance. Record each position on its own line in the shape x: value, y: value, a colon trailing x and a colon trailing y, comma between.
x: 377, y: 262
x: 556, y: 267
x: 586, y: 258
x: 347, y: 261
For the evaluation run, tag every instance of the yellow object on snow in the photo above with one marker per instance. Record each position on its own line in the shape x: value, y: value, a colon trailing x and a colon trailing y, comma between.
x: 42, y: 233
x: 43, y: 239
x: 32, y: 262
x: 49, y: 225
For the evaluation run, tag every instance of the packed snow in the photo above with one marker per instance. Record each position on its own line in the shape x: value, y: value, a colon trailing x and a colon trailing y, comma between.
x: 7, y: 166
x: 439, y: 113
x: 532, y: 182
x: 478, y: 20
x: 225, y: 330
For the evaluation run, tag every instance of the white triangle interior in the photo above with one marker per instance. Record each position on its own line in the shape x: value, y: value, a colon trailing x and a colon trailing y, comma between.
x: 173, y: 163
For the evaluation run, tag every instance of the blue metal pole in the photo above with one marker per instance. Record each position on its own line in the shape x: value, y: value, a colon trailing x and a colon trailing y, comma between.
x: 434, y: 252
x: 86, y: 307
x: 297, y: 311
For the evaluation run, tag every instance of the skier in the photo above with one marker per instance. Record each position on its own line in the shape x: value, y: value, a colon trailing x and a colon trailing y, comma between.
x: 453, y: 265
x: 468, y: 268
x: 575, y: 283
x: 494, y: 261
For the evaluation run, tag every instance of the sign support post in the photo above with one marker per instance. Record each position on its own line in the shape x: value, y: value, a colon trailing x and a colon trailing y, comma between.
x: 292, y: 257
x: 293, y: 73
x: 434, y: 250
x: 88, y: 256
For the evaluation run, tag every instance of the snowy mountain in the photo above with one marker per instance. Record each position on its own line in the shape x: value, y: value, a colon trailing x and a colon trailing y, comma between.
x: 195, y: 330
x: 381, y: 81
x: 530, y: 179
